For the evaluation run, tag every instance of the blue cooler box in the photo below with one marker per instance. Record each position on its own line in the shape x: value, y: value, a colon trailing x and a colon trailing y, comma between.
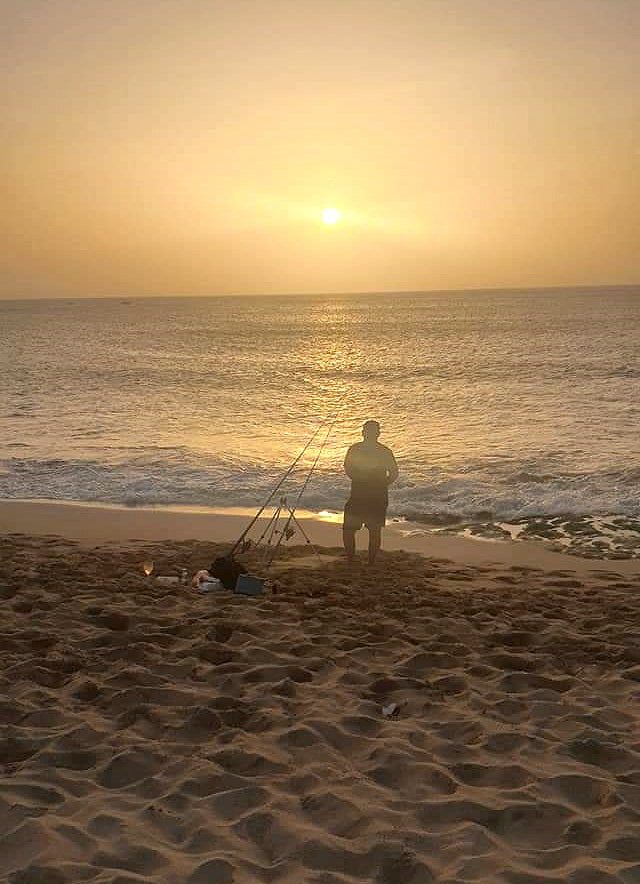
x: 247, y: 584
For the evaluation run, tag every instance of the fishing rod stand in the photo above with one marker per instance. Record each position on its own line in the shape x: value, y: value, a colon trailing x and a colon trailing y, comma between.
x: 273, y: 532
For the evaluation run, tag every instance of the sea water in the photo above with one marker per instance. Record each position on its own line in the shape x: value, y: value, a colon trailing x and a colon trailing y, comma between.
x: 510, y: 412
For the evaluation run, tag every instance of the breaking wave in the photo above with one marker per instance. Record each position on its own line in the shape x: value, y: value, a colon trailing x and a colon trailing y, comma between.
x: 163, y: 477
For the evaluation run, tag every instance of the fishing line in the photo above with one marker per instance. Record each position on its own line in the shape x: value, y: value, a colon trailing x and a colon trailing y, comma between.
x: 284, y: 477
x: 283, y: 533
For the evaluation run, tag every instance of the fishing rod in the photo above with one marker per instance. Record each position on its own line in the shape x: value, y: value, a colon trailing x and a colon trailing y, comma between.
x: 284, y: 532
x: 284, y: 477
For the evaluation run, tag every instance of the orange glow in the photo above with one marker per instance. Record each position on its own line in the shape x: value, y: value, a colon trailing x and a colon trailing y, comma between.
x: 469, y: 144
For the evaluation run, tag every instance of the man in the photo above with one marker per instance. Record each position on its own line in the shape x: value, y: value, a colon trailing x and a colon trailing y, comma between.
x: 371, y: 468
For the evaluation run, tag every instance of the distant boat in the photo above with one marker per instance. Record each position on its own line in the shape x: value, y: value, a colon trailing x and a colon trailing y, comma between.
x: 126, y: 302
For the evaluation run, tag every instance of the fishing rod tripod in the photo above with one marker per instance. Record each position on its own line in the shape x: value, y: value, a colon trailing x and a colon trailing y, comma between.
x: 272, y: 531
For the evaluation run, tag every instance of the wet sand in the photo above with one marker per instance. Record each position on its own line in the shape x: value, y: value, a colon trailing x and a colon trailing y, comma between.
x: 91, y: 524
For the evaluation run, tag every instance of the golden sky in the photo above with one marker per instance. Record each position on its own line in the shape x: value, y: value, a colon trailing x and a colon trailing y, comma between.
x: 161, y: 147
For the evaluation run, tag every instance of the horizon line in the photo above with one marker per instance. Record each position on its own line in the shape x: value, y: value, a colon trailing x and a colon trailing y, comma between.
x: 355, y: 293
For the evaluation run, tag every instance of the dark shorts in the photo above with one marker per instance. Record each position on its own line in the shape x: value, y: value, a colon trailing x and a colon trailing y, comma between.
x: 366, y: 509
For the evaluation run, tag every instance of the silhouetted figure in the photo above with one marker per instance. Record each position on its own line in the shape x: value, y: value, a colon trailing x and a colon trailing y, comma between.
x: 371, y: 468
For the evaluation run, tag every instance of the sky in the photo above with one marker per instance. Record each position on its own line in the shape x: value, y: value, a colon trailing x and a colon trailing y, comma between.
x: 189, y: 147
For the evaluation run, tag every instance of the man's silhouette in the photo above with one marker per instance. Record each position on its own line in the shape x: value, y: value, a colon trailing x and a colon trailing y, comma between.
x: 371, y: 468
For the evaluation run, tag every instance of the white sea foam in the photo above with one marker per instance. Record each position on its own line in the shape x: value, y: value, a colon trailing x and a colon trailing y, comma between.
x: 176, y: 481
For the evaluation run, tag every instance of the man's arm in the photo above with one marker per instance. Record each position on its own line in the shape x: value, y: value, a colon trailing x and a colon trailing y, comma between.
x: 392, y: 469
x: 348, y: 463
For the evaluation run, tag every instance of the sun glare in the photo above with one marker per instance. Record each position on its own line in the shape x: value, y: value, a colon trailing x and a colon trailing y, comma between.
x: 331, y: 216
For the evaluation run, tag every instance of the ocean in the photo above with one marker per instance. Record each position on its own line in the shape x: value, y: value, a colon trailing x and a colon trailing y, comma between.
x: 511, y: 413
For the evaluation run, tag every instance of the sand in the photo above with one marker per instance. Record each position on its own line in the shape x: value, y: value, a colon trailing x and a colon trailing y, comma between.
x: 154, y: 734
x: 91, y: 524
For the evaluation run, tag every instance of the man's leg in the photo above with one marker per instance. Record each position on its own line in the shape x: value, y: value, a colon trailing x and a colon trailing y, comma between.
x: 375, y: 540
x: 349, y: 540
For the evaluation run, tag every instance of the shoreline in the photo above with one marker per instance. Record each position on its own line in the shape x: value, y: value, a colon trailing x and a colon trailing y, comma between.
x: 93, y: 523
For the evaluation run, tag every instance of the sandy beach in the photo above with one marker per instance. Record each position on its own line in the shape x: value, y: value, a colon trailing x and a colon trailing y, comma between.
x: 436, y: 718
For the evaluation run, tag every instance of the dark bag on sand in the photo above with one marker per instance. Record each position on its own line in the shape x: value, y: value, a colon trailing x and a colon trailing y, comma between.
x: 227, y: 570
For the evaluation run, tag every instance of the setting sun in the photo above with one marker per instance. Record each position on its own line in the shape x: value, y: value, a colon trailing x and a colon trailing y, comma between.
x: 331, y: 216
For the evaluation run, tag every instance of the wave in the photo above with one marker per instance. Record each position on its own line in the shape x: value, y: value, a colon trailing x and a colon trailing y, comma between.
x: 496, y: 490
